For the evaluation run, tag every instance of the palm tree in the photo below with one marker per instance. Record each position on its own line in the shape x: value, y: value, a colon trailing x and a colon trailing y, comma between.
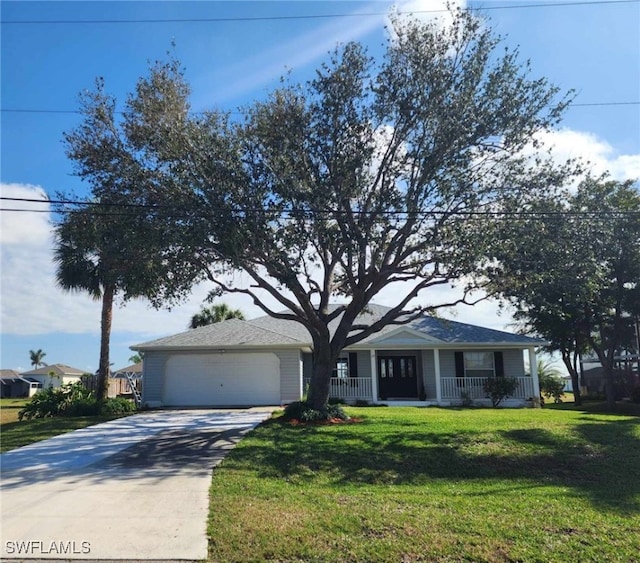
x: 81, y: 266
x: 215, y: 314
x: 546, y: 369
x: 137, y: 358
x: 36, y: 357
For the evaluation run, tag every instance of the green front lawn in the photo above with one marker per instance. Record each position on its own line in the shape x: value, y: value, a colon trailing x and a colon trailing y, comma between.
x: 14, y: 434
x: 9, y: 409
x: 430, y: 484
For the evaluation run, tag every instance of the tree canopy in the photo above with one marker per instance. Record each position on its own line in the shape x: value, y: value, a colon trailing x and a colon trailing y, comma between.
x: 110, y: 247
x: 572, y: 272
x: 376, y: 175
x: 215, y: 314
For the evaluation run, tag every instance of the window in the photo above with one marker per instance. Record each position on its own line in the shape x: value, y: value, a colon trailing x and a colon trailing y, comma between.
x: 342, y: 368
x: 479, y: 364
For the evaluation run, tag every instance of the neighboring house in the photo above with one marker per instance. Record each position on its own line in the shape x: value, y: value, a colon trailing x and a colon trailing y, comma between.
x: 12, y: 384
x: 54, y: 375
x: 120, y: 380
x: 268, y: 361
x: 627, y: 374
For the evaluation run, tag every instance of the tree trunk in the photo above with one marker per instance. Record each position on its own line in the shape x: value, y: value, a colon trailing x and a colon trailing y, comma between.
x: 105, y: 337
x: 323, y: 364
x: 609, y: 386
x: 570, y: 364
x: 575, y: 383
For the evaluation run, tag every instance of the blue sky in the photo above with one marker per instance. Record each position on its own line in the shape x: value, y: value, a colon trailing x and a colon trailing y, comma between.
x: 594, y: 49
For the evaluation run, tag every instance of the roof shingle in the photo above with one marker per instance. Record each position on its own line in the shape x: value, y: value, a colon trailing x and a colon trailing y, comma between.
x: 269, y: 331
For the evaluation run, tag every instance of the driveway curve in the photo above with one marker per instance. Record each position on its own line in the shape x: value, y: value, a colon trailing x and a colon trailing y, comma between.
x: 135, y: 488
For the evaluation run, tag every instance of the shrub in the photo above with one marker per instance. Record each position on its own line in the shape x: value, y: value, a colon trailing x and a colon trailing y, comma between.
x: 118, y: 405
x: 43, y: 404
x: 362, y: 403
x: 83, y: 406
x: 72, y: 399
x: 336, y: 401
x: 56, y: 401
x: 466, y: 399
x: 552, y: 386
x: 635, y: 394
x: 304, y: 412
x: 499, y: 388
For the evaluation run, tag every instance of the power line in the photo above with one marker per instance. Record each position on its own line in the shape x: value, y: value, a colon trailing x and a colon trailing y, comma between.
x: 309, y: 16
x: 293, y: 211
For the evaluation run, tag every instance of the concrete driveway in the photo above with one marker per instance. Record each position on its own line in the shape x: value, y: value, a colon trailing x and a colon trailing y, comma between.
x: 130, y: 489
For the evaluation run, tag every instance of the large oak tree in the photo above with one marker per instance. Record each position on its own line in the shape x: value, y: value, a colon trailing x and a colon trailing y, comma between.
x: 373, y: 176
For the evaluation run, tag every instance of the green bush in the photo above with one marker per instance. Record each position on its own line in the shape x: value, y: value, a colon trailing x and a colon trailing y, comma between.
x: 499, y: 388
x: 56, y: 401
x: 336, y: 401
x: 552, y: 386
x: 304, y: 412
x: 82, y: 406
x: 72, y: 399
x: 43, y: 404
x: 118, y: 405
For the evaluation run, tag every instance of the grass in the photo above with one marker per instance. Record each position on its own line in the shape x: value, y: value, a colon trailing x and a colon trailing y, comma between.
x: 417, y: 484
x: 14, y: 434
x: 9, y: 409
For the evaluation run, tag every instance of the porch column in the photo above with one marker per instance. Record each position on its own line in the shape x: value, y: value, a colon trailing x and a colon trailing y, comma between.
x: 436, y: 366
x: 374, y: 375
x: 533, y: 366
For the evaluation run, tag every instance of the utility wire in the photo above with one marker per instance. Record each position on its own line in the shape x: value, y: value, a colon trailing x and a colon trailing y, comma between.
x: 292, y: 211
x: 310, y: 16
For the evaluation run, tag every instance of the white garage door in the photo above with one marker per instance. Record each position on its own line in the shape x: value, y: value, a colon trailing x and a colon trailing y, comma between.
x: 222, y: 380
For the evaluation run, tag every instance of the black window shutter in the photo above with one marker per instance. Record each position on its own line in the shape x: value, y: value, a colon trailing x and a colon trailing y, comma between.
x: 353, y: 364
x: 459, y: 364
x: 498, y: 361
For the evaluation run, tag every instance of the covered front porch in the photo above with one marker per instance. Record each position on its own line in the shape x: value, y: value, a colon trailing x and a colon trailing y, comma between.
x: 432, y: 376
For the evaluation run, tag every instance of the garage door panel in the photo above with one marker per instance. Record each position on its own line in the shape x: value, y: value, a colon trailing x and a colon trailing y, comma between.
x: 222, y: 380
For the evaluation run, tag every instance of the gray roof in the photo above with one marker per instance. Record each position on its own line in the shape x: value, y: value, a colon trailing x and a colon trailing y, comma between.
x: 56, y: 369
x: 232, y: 332
x: 133, y: 368
x: 267, y: 331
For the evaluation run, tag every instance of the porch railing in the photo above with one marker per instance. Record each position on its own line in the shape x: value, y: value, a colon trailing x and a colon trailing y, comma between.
x: 472, y: 387
x: 453, y: 388
x: 348, y: 387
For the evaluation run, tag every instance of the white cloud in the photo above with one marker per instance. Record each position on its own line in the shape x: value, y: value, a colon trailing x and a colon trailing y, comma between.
x: 430, y: 10
x: 33, y: 304
x: 600, y: 155
x: 19, y: 227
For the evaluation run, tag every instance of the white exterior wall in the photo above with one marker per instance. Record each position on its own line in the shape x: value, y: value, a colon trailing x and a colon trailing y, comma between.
x: 291, y: 367
x: 428, y: 374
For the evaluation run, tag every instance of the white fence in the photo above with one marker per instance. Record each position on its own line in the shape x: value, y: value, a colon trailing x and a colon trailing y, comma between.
x: 472, y: 387
x: 348, y: 388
